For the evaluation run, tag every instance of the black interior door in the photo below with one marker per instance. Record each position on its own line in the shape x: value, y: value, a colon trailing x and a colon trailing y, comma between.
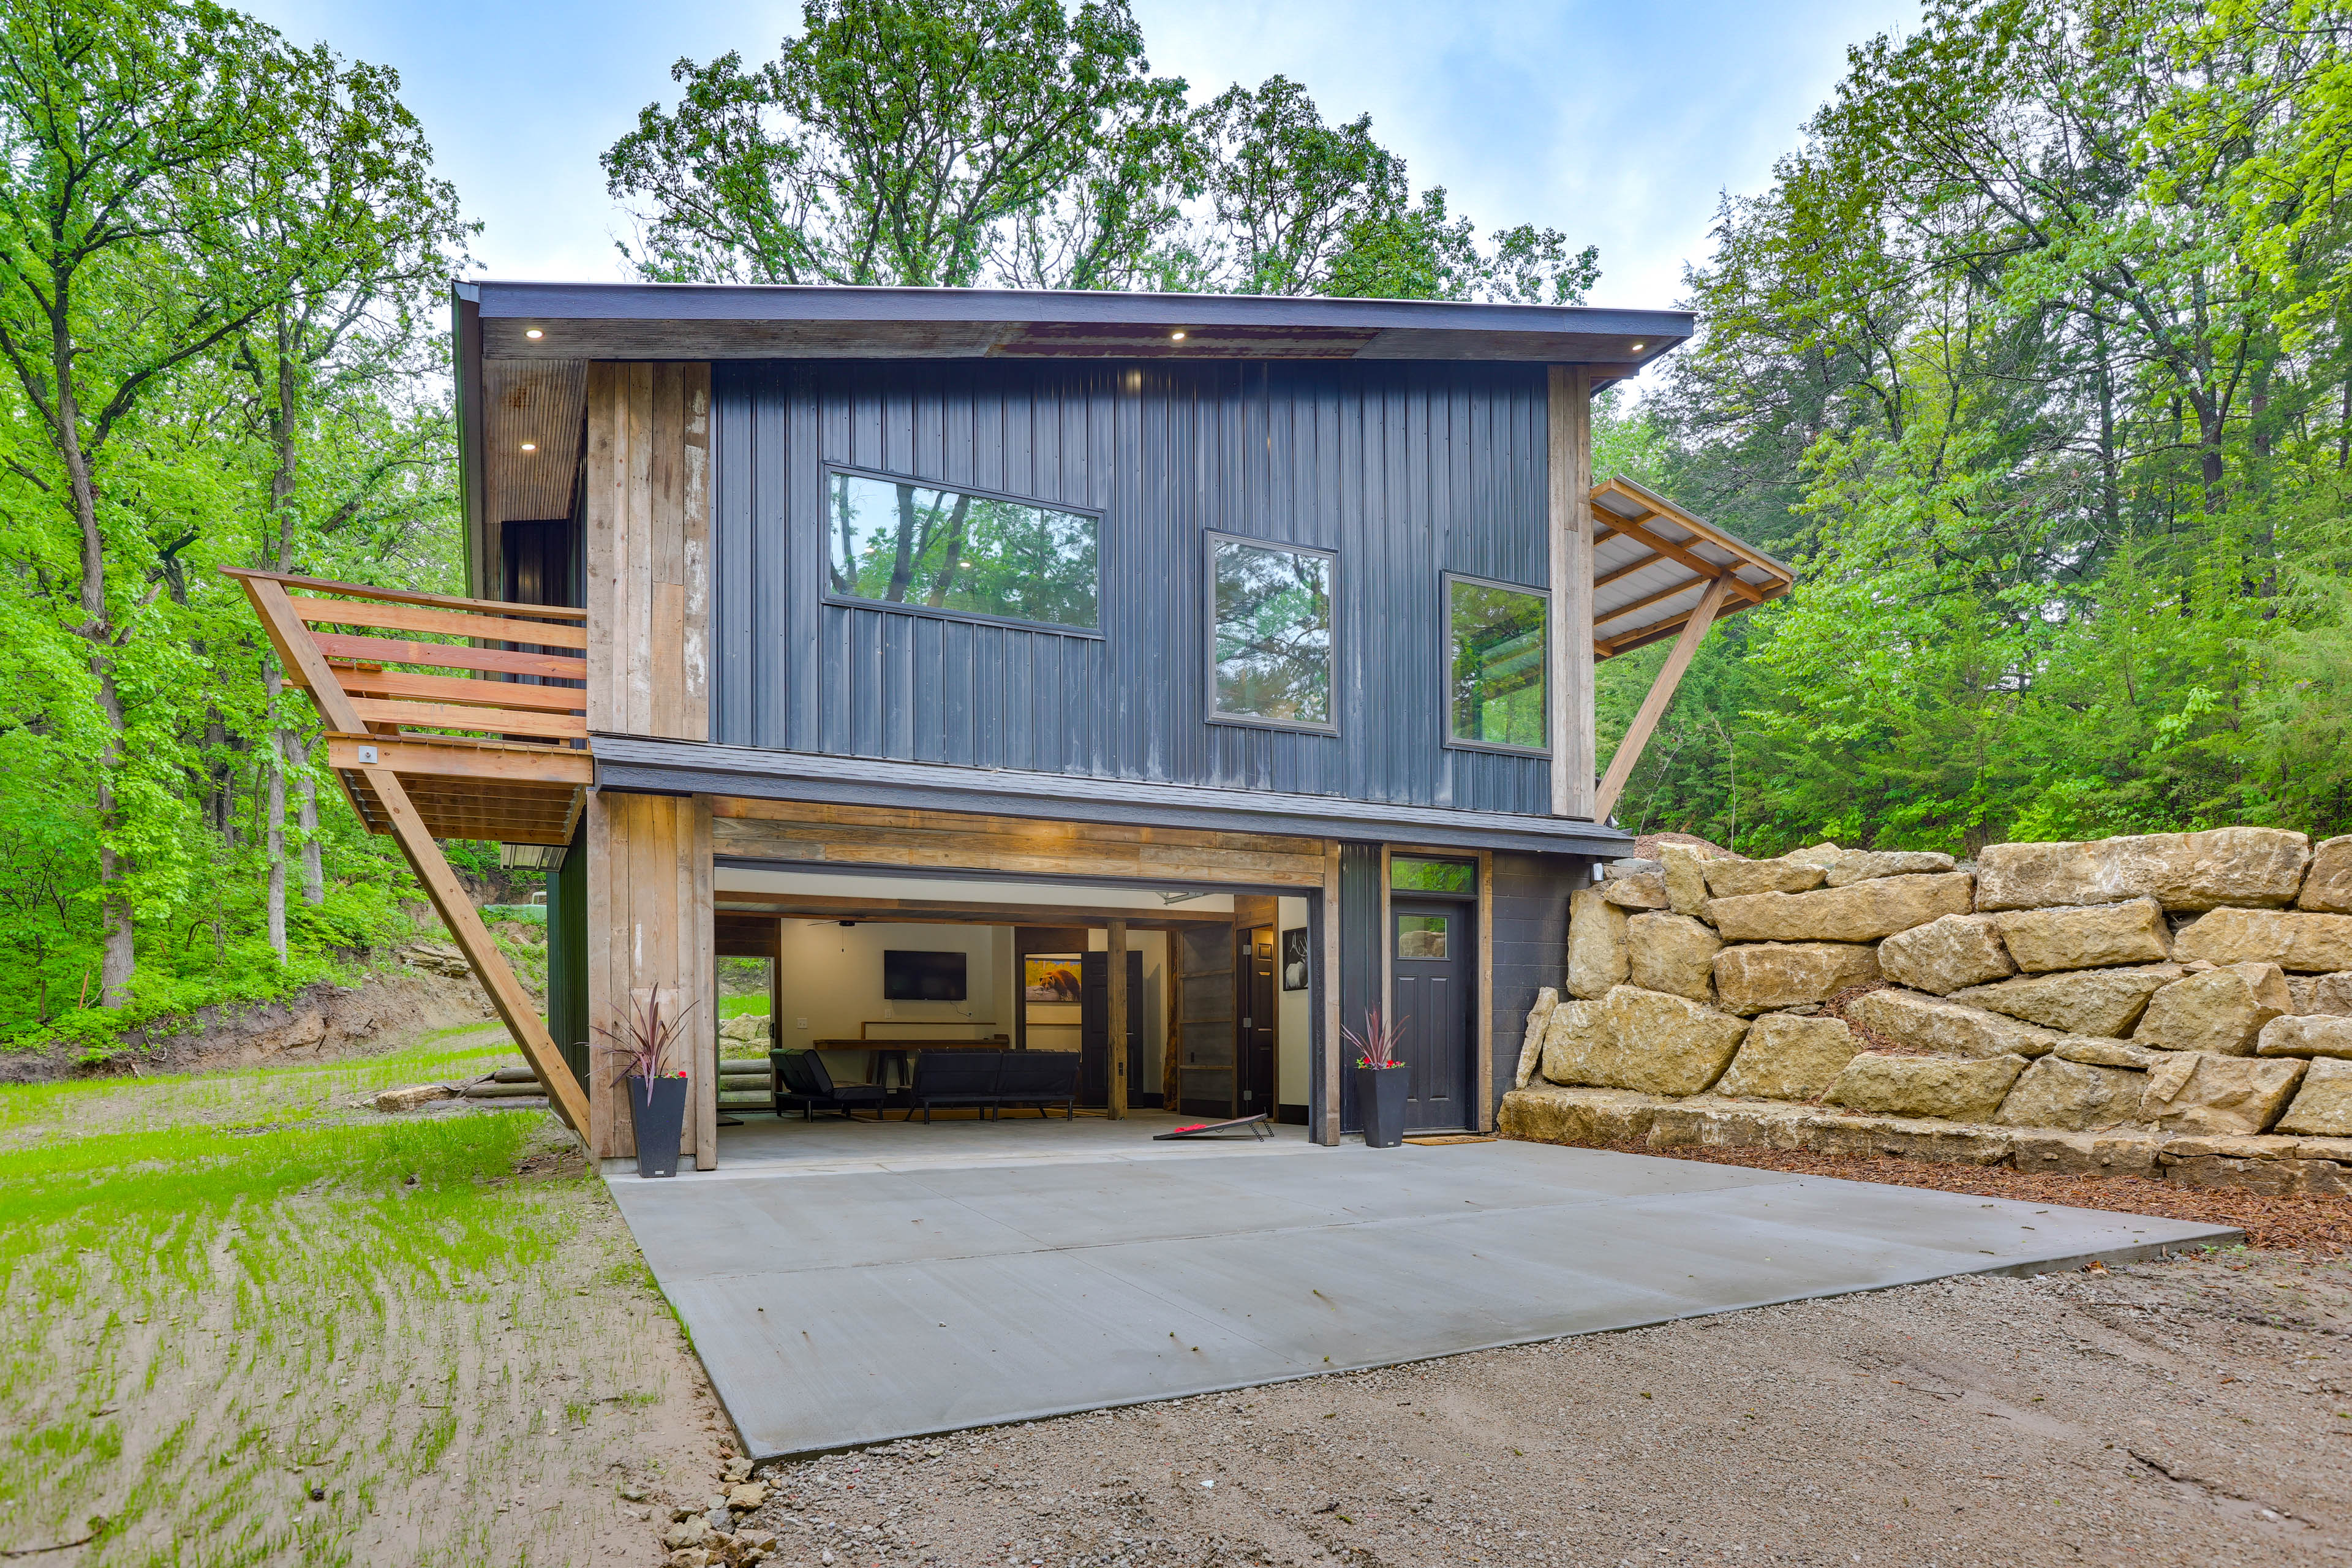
x: 1254, y: 961
x: 1206, y: 1040
x: 1433, y: 948
x: 1094, y: 1028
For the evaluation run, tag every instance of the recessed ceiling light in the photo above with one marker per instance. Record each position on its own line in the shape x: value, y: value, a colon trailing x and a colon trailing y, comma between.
x: 1178, y: 336
x: 530, y: 446
x: 1637, y: 348
x: 535, y: 332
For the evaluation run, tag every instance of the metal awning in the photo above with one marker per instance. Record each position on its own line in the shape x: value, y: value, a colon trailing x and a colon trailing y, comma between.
x: 1653, y: 563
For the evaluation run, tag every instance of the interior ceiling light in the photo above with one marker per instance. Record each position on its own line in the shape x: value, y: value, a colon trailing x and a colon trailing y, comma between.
x: 1176, y: 336
x: 534, y: 332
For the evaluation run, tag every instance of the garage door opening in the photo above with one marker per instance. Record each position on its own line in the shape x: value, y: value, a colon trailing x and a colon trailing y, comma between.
x: 852, y: 999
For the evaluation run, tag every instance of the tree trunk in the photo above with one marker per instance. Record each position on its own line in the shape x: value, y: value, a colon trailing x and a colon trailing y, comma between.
x: 314, y: 875
x: 274, y: 822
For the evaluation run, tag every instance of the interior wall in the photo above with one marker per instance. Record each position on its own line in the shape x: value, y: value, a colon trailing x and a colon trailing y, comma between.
x: 1294, y: 1020
x: 831, y: 983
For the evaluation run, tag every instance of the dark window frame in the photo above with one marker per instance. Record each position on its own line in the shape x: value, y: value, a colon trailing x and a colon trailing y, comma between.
x: 1445, y: 665
x: 1209, y: 540
x: 825, y: 594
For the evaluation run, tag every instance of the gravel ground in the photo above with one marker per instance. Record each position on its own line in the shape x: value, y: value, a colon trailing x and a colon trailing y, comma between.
x: 2196, y: 1411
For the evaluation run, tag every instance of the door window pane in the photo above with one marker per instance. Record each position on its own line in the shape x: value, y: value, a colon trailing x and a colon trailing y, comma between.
x: 895, y: 541
x: 1420, y: 936
x: 1495, y: 687
x: 1410, y: 874
x: 1273, y: 633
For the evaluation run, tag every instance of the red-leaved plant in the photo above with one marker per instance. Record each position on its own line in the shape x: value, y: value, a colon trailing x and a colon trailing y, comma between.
x: 643, y: 1038
x: 1376, y: 1047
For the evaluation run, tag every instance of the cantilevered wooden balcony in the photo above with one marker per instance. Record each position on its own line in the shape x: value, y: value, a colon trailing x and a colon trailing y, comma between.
x: 483, y: 732
x: 447, y: 719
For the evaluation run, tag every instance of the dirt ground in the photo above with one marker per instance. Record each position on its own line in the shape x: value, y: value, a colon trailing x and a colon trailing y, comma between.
x: 2196, y: 1411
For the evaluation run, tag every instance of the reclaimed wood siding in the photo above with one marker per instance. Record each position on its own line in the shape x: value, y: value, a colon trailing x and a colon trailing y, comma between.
x: 646, y: 495
x: 1406, y: 471
x: 650, y: 924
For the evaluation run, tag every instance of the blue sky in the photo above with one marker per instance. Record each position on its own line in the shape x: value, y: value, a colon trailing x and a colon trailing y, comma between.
x: 1619, y: 124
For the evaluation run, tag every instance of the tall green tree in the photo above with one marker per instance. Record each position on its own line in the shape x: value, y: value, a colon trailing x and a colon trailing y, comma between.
x: 155, y: 207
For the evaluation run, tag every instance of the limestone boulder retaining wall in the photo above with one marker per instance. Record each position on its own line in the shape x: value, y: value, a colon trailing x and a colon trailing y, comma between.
x: 2168, y: 1004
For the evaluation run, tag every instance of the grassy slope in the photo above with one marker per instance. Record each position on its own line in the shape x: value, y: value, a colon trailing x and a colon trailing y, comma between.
x: 229, y: 1290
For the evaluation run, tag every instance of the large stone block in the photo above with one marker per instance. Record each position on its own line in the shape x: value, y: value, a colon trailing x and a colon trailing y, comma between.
x: 2323, y: 1104
x: 1760, y: 977
x: 2262, y: 1178
x: 1673, y: 954
x: 2073, y: 1096
x: 2256, y: 867
x: 1825, y: 855
x: 1944, y: 955
x: 1786, y: 1057
x: 1953, y: 1028
x: 1546, y: 1113
x: 2321, y: 994
x: 1531, y: 1042
x: 2198, y: 1092
x: 1596, y: 944
x: 2048, y: 1152
x: 1667, y: 1045
x: 2094, y: 1002
x: 2292, y: 938
x: 2317, y: 1035
x: 2218, y: 1010
x: 1640, y: 890
x: 2085, y: 936
x: 1740, y: 879
x: 2092, y: 1051
x: 1576, y: 1044
x: 1866, y: 865
x: 2327, y: 885
x: 1948, y: 1086
x: 1863, y: 913
x: 1685, y: 875
x: 1706, y: 1121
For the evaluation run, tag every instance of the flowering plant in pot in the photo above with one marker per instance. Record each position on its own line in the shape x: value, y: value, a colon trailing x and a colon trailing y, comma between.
x: 1381, y: 1083
x: 647, y: 1037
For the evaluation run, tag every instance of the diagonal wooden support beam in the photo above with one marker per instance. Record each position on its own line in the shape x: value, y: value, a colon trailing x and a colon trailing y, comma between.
x: 1662, y: 691
x: 464, y: 922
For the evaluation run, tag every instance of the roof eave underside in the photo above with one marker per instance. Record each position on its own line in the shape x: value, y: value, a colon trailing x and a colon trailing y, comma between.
x: 1652, y: 561
x: 633, y: 320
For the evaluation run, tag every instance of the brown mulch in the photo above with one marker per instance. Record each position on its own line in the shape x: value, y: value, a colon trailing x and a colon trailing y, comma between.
x: 2319, y: 1224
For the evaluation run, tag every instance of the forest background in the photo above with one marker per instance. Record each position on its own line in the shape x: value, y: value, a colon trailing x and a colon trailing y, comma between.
x: 2035, y: 358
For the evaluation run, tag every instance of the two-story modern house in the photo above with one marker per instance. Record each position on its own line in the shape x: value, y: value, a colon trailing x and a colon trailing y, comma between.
x: 1006, y: 664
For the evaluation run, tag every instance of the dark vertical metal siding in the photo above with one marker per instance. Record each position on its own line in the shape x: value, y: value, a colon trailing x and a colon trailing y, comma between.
x: 1406, y: 471
x: 1530, y: 915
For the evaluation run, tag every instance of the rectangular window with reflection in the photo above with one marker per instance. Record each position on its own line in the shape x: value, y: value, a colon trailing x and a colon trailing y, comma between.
x: 1270, y: 633
x: 1495, y: 658
x: 898, y: 541
x: 1411, y: 874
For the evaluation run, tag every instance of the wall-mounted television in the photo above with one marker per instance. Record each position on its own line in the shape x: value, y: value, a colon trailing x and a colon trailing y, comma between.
x: 921, y: 976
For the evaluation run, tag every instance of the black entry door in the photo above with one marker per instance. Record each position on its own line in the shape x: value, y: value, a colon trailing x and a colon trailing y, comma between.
x: 1254, y: 961
x: 1434, y: 946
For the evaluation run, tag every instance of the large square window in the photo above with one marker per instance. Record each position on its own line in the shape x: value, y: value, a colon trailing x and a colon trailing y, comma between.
x: 1270, y: 633
x: 1495, y: 665
x: 898, y: 541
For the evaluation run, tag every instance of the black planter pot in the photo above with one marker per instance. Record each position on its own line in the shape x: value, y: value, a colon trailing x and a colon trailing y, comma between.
x: 659, y: 1109
x: 1380, y: 1094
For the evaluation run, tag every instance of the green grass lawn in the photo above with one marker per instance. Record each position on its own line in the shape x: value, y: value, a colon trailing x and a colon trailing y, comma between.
x: 250, y: 1322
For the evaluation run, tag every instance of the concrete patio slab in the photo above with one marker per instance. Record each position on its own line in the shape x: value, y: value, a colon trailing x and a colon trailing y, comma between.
x: 847, y: 1285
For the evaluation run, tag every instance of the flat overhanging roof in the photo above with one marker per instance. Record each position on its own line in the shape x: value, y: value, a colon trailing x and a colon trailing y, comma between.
x: 712, y: 322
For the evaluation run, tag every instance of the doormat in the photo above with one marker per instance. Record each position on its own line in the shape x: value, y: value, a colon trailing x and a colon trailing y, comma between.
x: 1455, y: 1138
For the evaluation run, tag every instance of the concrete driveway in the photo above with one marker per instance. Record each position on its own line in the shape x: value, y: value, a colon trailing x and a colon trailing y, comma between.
x: 847, y: 1285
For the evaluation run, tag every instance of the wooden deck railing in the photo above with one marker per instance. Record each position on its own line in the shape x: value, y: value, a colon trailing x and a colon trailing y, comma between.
x: 495, y: 752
